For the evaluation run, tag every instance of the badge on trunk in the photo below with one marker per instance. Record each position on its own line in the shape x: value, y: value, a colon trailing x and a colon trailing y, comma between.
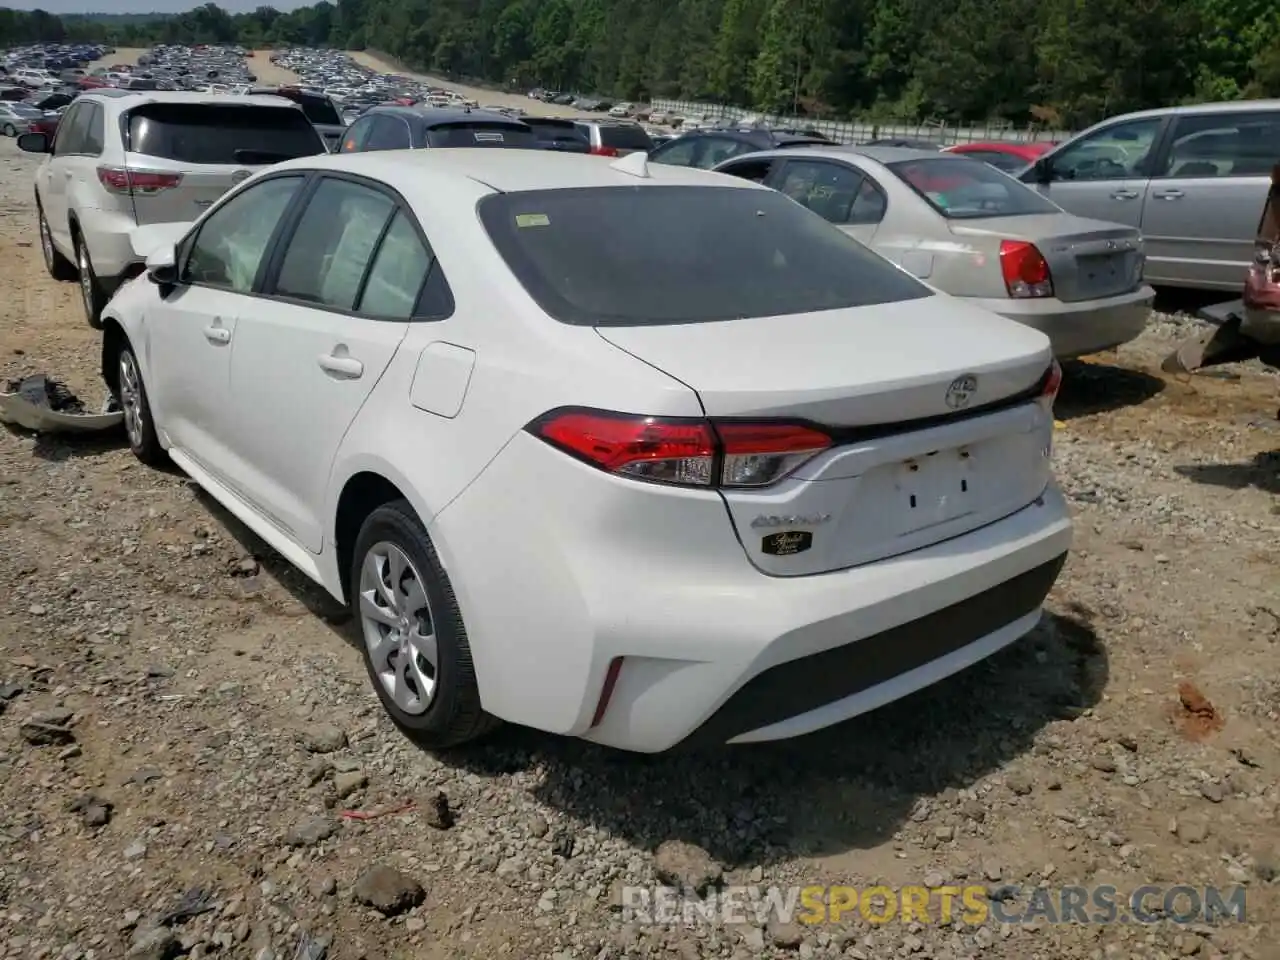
x: 787, y: 543
x: 240, y: 176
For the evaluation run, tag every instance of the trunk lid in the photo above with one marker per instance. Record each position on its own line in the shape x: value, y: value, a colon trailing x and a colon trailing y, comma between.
x: 1088, y: 259
x: 182, y: 157
x: 928, y: 403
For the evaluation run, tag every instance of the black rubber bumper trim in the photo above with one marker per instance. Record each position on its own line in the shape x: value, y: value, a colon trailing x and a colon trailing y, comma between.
x: 798, y: 686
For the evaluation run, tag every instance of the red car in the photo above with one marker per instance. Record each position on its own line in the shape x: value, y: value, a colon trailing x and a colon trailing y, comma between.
x: 1004, y: 155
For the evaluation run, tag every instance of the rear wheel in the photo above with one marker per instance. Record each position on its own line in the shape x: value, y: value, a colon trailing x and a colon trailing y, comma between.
x: 131, y: 394
x: 415, y: 645
x: 90, y: 289
x: 59, y: 267
x: 10, y: 130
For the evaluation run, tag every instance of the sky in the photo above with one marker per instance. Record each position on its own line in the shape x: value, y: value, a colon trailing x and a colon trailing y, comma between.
x: 144, y: 6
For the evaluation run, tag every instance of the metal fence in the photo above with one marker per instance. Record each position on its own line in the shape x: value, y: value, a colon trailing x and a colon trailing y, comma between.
x: 857, y: 132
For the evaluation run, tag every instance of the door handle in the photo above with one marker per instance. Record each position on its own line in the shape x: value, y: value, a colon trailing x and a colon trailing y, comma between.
x: 1125, y: 195
x: 217, y: 334
x: 342, y: 367
x: 1170, y: 194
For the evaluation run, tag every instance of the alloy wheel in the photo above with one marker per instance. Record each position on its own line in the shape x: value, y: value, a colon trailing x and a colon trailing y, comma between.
x: 399, y: 632
x: 130, y: 394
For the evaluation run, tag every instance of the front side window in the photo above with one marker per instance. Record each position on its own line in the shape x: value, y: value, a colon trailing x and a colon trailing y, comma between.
x: 71, y: 129
x: 94, y: 131
x: 1117, y: 152
x: 229, y: 247
x: 677, y: 153
x: 1224, y: 145
x: 590, y: 255
x: 716, y: 150
x: 959, y: 188
x: 330, y: 250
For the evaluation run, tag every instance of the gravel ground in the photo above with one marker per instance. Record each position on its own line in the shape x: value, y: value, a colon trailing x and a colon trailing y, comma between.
x: 183, y: 721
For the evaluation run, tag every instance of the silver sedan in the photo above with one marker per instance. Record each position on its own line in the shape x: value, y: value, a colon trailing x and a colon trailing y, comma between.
x: 969, y: 230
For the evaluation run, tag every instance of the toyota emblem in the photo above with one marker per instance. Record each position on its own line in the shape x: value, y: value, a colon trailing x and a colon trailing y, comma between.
x: 961, y: 391
x: 240, y: 176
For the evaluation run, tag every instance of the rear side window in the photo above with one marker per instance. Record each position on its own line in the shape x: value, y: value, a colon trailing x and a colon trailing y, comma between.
x: 221, y: 135
x: 480, y: 134
x: 590, y: 256
x: 624, y: 137
x: 960, y: 188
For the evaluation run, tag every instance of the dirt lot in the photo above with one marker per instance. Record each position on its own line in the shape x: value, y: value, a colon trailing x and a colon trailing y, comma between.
x: 181, y: 716
x: 483, y: 95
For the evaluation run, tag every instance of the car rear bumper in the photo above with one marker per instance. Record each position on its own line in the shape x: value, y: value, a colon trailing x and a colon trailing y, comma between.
x: 107, y: 235
x: 588, y: 570
x: 1076, y: 329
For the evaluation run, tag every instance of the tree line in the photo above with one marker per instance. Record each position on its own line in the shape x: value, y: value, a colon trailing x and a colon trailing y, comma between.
x: 1059, y: 63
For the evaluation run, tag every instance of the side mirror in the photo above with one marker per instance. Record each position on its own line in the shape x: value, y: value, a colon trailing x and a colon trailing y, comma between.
x: 34, y: 143
x: 1042, y: 171
x: 162, y: 267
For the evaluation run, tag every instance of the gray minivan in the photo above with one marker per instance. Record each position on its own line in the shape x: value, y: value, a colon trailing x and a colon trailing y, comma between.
x: 1193, y: 179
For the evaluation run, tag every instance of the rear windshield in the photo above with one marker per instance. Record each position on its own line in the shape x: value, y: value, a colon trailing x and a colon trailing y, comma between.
x: 480, y: 133
x: 552, y: 129
x: 636, y: 256
x: 960, y: 188
x: 624, y: 137
x: 237, y: 134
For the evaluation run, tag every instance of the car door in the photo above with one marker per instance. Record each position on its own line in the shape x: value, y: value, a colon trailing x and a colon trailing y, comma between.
x: 55, y: 175
x: 307, y: 359
x: 1103, y: 173
x: 191, y: 333
x: 1204, y: 204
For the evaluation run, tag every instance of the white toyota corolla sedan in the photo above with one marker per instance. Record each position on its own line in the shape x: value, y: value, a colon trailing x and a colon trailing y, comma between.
x: 640, y: 454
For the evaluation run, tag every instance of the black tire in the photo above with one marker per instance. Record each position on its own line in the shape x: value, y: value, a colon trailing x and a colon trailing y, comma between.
x: 453, y: 714
x: 91, y: 294
x: 131, y: 395
x: 59, y: 267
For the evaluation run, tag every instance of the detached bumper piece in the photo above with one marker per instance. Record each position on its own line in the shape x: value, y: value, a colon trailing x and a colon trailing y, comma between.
x: 799, y: 686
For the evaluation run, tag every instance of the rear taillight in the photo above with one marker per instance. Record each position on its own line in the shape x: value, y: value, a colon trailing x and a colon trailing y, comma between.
x: 1051, y: 385
x: 605, y: 151
x: 1026, y: 272
x: 122, y: 180
x: 687, y: 452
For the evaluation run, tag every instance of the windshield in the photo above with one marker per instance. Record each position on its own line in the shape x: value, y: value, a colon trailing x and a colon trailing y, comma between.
x: 634, y: 256
x: 624, y: 137
x: 960, y: 188
x: 480, y: 133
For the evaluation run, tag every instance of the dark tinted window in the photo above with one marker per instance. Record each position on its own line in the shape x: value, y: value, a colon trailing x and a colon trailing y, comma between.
x: 71, y: 130
x: 547, y: 128
x: 629, y: 256
x: 319, y: 110
x: 387, y: 133
x: 959, y: 188
x: 357, y: 135
x: 624, y: 137
x: 480, y: 133
x: 231, y: 134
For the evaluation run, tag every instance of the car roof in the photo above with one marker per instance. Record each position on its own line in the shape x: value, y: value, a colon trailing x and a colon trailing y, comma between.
x: 1224, y: 106
x: 504, y: 171
x: 878, y: 154
x: 437, y: 116
x: 191, y: 97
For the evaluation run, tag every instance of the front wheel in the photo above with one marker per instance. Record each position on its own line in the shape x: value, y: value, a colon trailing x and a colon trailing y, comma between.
x: 415, y: 644
x: 131, y: 394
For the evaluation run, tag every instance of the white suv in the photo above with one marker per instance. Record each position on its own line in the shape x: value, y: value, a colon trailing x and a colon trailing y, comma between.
x: 124, y: 159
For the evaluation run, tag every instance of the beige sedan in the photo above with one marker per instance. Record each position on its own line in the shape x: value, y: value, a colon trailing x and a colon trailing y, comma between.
x: 971, y: 231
